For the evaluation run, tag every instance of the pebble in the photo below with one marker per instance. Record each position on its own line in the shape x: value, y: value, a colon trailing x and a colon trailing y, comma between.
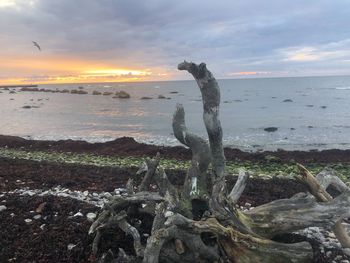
x: 247, y: 205
x: 42, y: 226
x: 78, y: 214
x: 344, y: 261
x: 346, y: 251
x: 91, y: 216
x: 71, y: 246
x: 28, y: 220
x: 12, y: 214
x: 2, y: 208
x: 86, y: 193
x: 37, y: 217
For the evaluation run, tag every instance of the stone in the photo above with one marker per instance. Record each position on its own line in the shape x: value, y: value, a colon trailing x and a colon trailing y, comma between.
x: 161, y: 97
x: 95, y: 92
x: 36, y: 217
x: 122, y: 95
x: 270, y: 129
x: 40, y: 207
x: 91, y: 216
x: 2, y: 208
x: 288, y: 100
x: 79, y: 214
x: 146, y: 98
x: 71, y: 246
x: 28, y: 220
x: 346, y: 251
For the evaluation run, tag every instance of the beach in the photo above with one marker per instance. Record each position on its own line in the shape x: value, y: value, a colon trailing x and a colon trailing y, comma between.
x: 50, y: 187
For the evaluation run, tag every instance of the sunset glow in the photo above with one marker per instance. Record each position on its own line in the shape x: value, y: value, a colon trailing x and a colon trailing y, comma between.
x: 67, y: 70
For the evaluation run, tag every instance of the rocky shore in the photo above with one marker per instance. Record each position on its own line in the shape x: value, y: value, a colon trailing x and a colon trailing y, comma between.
x: 46, y: 205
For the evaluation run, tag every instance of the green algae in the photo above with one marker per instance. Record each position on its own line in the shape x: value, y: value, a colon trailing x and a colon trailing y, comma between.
x: 268, y: 169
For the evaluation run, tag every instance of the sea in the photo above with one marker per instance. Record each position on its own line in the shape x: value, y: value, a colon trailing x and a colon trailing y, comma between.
x: 310, y: 113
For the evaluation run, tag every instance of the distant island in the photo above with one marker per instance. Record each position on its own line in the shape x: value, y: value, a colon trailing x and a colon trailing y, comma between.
x: 18, y: 86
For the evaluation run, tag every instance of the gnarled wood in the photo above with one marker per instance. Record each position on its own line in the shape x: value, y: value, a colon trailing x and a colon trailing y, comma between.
x: 342, y: 234
x: 151, y: 169
x: 314, y: 187
x: 238, y: 189
x: 222, y: 233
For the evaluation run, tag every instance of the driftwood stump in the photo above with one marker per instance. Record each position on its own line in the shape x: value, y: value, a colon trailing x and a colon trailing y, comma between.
x: 199, y: 222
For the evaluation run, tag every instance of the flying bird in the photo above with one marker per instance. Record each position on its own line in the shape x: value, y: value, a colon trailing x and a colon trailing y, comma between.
x: 36, y: 45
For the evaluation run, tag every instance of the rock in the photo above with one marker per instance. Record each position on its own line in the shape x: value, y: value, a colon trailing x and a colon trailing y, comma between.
x: 331, y: 235
x: 146, y: 98
x: 81, y: 87
x: 309, y: 105
x: 323, y: 107
x: 28, y: 220
x: 27, y: 107
x: 40, y: 207
x: 86, y: 193
x: 36, y: 217
x: 122, y: 95
x: 270, y: 129
x: 12, y: 92
x: 95, y: 92
x: 71, y: 246
x: 64, y: 91
x: 248, y: 205
x: 288, y: 100
x: 161, y: 97
x: 79, y: 214
x: 91, y: 217
x: 2, y: 208
x: 346, y: 251
x: 74, y: 91
x: 107, y: 93
x: 174, y: 92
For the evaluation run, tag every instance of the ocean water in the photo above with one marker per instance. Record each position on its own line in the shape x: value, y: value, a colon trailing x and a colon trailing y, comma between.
x: 309, y: 112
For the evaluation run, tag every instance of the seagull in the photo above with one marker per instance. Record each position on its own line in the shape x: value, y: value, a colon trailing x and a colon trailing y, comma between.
x: 36, y: 45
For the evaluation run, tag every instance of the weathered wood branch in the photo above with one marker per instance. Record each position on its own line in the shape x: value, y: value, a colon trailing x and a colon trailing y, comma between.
x: 129, y: 229
x: 151, y: 169
x: 328, y: 177
x: 342, y: 234
x: 193, y: 242
x: 211, y: 102
x: 197, y: 180
x: 314, y: 187
x: 289, y: 215
x: 244, y: 248
x: 238, y: 189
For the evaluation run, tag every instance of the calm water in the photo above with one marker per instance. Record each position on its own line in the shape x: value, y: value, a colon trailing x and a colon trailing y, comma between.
x: 317, y: 118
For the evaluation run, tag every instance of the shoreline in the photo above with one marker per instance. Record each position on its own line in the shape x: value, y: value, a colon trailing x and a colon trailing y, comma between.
x: 127, y: 146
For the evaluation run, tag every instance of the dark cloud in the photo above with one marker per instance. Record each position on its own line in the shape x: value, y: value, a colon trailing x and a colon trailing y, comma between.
x: 231, y: 36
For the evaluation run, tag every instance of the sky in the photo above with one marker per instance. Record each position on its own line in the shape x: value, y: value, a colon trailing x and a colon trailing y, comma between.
x: 144, y: 40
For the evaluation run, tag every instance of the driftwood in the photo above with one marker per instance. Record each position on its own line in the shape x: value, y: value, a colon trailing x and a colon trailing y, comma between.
x: 200, y: 222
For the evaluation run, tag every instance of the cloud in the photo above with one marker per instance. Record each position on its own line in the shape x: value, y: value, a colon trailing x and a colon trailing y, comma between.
x: 231, y: 36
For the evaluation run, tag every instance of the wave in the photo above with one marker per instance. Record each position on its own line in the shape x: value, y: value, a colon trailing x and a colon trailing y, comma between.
x: 342, y: 88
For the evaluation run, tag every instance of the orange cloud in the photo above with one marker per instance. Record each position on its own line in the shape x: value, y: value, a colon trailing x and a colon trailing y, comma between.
x: 47, y: 70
